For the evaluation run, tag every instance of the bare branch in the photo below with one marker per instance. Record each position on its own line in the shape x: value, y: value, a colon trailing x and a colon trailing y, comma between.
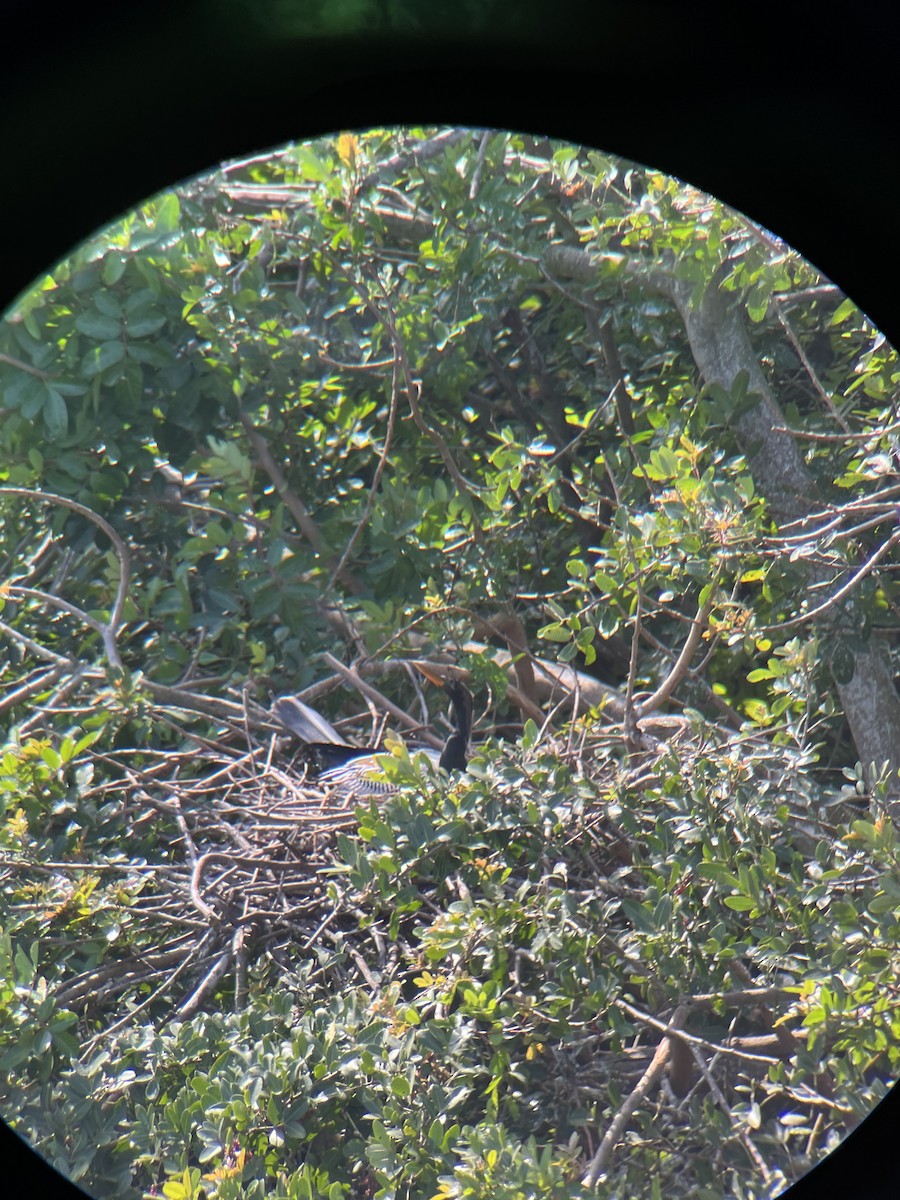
x: 109, y: 630
x: 24, y: 366
x: 376, y: 480
x: 814, y: 378
x: 682, y: 663
x: 638, y: 1094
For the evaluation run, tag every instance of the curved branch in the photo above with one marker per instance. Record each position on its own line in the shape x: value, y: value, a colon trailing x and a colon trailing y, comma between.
x: 28, y: 593
x: 681, y: 664
x: 37, y: 649
x: 414, y: 393
x: 109, y: 630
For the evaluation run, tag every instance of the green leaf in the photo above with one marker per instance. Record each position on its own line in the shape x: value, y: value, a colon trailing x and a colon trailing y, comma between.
x: 151, y: 353
x: 554, y: 633
x: 83, y: 742
x: 106, y: 303
x: 718, y: 873
x: 140, y: 301
x: 311, y: 166
x: 168, y: 213
x: 56, y: 414
x: 113, y: 267
x: 27, y: 393
x: 843, y: 310
x: 99, y: 358
x: 638, y: 915
x: 739, y: 387
x: 663, y: 464
x: 529, y: 734
x: 142, y: 326
x: 99, y: 326
x: 758, y: 302
x: 15, y: 1055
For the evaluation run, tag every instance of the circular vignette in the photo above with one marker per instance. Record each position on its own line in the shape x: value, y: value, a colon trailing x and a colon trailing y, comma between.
x: 255, y: 228
x: 172, y: 150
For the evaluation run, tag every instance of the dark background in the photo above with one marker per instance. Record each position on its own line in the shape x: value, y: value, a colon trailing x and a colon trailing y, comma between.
x: 789, y: 113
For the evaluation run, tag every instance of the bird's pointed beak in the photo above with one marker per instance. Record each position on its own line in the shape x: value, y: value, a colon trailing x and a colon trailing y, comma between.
x: 431, y: 674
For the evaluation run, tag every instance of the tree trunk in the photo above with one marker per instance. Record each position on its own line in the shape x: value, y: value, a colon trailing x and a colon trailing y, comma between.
x: 721, y: 348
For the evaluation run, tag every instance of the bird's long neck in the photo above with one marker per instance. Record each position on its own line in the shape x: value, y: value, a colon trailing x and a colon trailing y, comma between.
x: 453, y: 756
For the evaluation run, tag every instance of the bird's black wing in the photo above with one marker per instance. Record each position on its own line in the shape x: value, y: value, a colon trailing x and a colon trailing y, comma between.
x: 299, y: 718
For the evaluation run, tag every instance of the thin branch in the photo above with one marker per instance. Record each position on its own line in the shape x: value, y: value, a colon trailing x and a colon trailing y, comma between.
x: 565, y: 453
x: 841, y: 439
x: 353, y: 677
x: 34, y: 683
x: 691, y: 1039
x: 24, y: 366
x: 60, y: 692
x: 385, y: 317
x: 810, y: 293
x: 602, y: 331
x: 863, y: 504
x: 192, y: 955
x: 745, y: 997
x: 51, y: 868
x: 37, y: 649
x: 108, y: 631
x: 479, y: 165
x: 682, y: 663
x: 411, y: 154
x: 189, y: 1007
x: 378, y: 365
x: 376, y: 480
x: 754, y: 1154
x: 814, y: 378
x: 48, y: 598
x: 292, y: 501
x: 836, y: 597
x: 638, y: 1094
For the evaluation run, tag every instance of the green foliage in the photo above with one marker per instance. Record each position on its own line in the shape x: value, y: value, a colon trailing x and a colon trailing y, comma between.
x: 344, y: 398
x: 484, y: 1056
x: 268, y: 294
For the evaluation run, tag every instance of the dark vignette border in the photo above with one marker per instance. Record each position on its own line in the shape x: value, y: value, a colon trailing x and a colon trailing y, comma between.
x: 787, y: 113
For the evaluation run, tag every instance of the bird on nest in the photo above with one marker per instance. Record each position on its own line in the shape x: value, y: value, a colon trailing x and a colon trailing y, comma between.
x: 351, y: 768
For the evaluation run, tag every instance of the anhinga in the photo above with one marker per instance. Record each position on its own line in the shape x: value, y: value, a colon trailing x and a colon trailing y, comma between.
x: 350, y: 768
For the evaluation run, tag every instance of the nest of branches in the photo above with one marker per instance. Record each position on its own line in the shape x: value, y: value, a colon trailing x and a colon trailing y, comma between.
x: 240, y: 839
x: 226, y: 849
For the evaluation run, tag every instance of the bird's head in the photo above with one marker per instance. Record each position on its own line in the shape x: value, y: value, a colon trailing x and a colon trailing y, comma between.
x: 454, y: 755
